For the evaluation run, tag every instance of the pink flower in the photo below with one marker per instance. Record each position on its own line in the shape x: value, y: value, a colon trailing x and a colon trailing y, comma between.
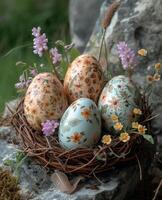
x: 36, y: 31
x: 33, y: 72
x: 126, y: 55
x: 23, y: 82
x: 49, y: 127
x: 56, y: 57
x: 20, y: 85
x: 40, y: 41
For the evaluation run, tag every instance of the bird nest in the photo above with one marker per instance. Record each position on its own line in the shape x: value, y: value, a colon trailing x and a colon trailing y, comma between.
x: 85, y: 161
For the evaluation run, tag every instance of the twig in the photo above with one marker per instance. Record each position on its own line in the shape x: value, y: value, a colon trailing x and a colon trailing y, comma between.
x: 97, y: 178
x: 157, y: 190
x: 146, y: 120
x: 140, y: 168
x: 48, y: 142
x: 160, y: 161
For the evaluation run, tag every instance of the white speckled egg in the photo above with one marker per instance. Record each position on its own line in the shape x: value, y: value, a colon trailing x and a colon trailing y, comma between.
x: 44, y: 100
x: 117, y: 98
x: 84, y: 79
x: 80, y: 125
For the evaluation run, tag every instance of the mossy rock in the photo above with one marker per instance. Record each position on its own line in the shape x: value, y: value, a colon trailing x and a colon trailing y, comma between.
x: 9, y: 189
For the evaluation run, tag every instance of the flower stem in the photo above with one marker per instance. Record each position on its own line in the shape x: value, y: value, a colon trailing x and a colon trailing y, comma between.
x: 51, y: 64
x: 101, y: 46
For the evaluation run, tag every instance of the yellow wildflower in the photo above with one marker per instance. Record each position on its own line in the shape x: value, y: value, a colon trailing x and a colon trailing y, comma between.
x: 118, y: 126
x: 124, y: 137
x: 158, y: 66
x: 157, y: 77
x: 106, y: 139
x: 114, y: 118
x: 135, y: 125
x: 141, y: 129
x: 137, y: 111
x: 142, y: 52
x: 150, y: 78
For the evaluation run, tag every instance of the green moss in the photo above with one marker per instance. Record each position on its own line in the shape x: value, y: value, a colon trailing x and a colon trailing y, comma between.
x: 8, y: 186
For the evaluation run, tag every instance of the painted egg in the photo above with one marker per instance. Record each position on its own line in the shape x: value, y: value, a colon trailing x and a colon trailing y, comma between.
x: 84, y: 79
x: 117, y: 98
x: 44, y: 100
x: 80, y: 125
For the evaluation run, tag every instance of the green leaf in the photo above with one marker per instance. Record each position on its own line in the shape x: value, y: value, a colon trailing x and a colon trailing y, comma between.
x: 9, y: 163
x: 19, y: 156
x: 149, y: 138
x: 73, y: 54
x: 64, y: 67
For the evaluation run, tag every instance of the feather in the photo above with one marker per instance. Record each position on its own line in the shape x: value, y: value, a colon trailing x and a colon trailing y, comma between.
x: 61, y: 182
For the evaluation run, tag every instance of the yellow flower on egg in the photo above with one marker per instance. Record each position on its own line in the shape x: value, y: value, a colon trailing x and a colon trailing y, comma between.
x: 141, y: 129
x: 158, y: 66
x: 118, y: 126
x: 106, y: 139
x: 142, y: 52
x: 124, y: 137
x: 156, y: 77
x: 137, y: 111
x: 135, y: 125
x: 114, y: 118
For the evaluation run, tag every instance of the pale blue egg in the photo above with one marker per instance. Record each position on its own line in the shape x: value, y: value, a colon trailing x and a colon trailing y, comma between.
x: 80, y: 125
x: 117, y: 98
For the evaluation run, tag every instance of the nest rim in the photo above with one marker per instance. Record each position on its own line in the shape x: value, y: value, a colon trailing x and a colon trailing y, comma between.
x: 36, y: 145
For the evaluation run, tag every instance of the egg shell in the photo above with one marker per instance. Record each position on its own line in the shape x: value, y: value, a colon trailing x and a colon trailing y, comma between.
x: 117, y: 98
x: 80, y: 125
x: 84, y: 79
x: 44, y: 100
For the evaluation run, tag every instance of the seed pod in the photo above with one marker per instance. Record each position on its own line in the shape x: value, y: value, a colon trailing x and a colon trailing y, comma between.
x: 109, y: 14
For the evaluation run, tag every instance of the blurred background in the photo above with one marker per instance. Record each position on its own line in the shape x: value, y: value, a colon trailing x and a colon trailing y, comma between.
x: 17, y: 18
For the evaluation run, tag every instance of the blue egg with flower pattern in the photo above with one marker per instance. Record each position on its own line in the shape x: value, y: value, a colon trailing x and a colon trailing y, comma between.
x: 80, y: 125
x: 117, y: 98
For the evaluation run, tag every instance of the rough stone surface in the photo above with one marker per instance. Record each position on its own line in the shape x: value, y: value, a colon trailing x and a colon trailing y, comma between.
x: 82, y: 17
x: 8, y: 151
x: 139, y: 23
x: 35, y: 181
x: 11, y: 106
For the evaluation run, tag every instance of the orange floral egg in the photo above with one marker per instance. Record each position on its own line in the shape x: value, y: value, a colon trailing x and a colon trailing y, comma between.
x: 84, y: 78
x: 44, y: 100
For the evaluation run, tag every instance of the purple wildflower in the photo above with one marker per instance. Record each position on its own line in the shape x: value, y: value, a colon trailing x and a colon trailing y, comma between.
x: 36, y: 31
x: 23, y: 83
x: 126, y: 55
x: 40, y: 41
x: 20, y: 85
x: 33, y: 72
x: 56, y: 57
x: 28, y: 81
x: 49, y: 126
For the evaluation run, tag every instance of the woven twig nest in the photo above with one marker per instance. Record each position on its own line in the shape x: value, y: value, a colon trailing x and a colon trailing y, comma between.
x: 85, y: 161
